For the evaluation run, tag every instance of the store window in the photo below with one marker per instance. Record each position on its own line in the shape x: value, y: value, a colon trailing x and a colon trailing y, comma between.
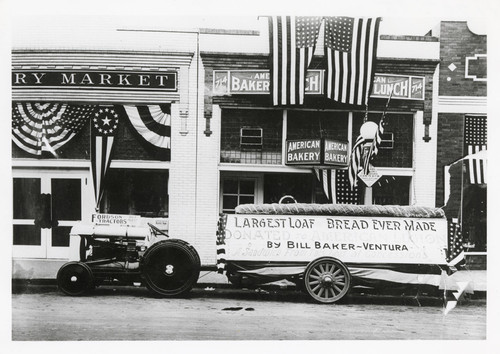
x: 298, y: 186
x: 397, y: 150
x: 236, y: 191
x: 392, y: 190
x: 136, y: 192
x: 251, y: 136
x: 26, y: 192
x: 314, y: 125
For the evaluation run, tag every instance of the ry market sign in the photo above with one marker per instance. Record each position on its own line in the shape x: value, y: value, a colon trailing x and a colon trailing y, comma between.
x: 150, y: 80
x: 257, y: 82
x: 309, y: 152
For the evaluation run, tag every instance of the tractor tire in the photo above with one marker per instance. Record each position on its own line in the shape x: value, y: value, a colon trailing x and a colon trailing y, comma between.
x: 75, y: 279
x: 170, y: 268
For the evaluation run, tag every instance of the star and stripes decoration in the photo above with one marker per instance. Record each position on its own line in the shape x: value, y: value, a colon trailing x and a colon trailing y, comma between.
x: 455, y: 243
x: 46, y: 127
x: 351, y: 50
x: 336, y: 186
x: 221, y: 244
x: 475, y: 140
x: 104, y: 125
x: 153, y: 124
x: 292, y: 43
x: 355, y: 165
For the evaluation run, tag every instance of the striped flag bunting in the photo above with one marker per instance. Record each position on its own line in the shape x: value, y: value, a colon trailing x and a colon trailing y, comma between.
x: 103, y: 131
x: 46, y: 127
x: 336, y: 186
x: 153, y: 124
x: 455, y: 243
x: 292, y: 43
x: 475, y: 140
x: 221, y: 244
x: 351, y: 50
x: 355, y: 161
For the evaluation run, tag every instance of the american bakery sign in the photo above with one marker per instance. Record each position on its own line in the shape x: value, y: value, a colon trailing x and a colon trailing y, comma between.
x: 113, y: 79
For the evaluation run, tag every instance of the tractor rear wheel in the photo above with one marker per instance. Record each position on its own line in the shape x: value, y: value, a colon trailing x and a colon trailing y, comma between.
x: 75, y: 278
x: 170, y: 268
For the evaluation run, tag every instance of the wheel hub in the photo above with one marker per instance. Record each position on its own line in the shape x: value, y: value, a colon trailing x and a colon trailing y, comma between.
x: 73, y: 279
x: 169, y: 269
x: 326, y: 280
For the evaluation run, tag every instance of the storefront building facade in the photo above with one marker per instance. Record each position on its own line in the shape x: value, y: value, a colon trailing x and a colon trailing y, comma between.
x: 461, y: 111
x: 228, y: 144
x: 71, y: 107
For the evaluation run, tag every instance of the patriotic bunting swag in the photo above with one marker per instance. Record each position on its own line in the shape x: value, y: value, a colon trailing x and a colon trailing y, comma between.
x: 46, y: 127
x: 103, y: 130
x: 292, y: 43
x: 152, y: 123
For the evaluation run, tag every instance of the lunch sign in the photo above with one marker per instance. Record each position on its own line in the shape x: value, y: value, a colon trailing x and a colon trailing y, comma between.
x: 256, y: 82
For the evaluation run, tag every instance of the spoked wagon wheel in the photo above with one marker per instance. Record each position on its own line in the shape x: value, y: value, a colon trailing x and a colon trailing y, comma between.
x: 75, y: 278
x: 171, y: 268
x: 327, y: 280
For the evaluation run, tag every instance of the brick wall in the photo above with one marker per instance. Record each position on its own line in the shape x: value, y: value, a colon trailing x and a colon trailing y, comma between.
x: 450, y: 142
x: 457, y: 43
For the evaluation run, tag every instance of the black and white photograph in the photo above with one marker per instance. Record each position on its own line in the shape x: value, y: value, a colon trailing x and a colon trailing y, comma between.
x: 267, y: 177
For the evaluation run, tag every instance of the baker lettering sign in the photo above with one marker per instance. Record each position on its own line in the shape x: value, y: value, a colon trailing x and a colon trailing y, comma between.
x: 150, y: 80
x: 303, y: 152
x: 351, y: 239
x: 335, y: 152
x: 257, y: 82
x: 323, y: 151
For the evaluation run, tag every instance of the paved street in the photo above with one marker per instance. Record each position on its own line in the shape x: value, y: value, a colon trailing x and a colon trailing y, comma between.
x: 130, y: 313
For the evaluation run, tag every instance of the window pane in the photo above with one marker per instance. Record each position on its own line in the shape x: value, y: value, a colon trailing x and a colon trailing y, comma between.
x: 246, y: 200
x: 247, y: 186
x: 230, y: 186
x: 27, y: 235
x: 299, y: 186
x: 136, y: 192
x: 229, y: 202
x: 60, y: 236
x: 313, y: 125
x: 270, y: 121
x: 66, y: 199
x: 392, y: 190
x: 26, y: 191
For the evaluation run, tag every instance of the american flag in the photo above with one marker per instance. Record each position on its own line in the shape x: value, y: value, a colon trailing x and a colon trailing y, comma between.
x: 375, y: 145
x: 455, y: 243
x: 336, y: 186
x: 475, y: 140
x: 350, y: 49
x: 153, y: 123
x: 103, y: 130
x: 292, y: 43
x: 45, y: 127
x: 355, y: 161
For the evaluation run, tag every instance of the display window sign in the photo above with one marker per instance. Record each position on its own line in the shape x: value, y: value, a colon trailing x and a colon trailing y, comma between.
x: 335, y: 153
x: 303, y: 152
x: 95, y: 79
x: 257, y: 82
x: 401, y: 87
x: 313, y: 152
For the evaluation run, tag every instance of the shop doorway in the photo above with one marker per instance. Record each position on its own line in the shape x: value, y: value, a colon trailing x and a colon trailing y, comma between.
x: 45, y: 207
